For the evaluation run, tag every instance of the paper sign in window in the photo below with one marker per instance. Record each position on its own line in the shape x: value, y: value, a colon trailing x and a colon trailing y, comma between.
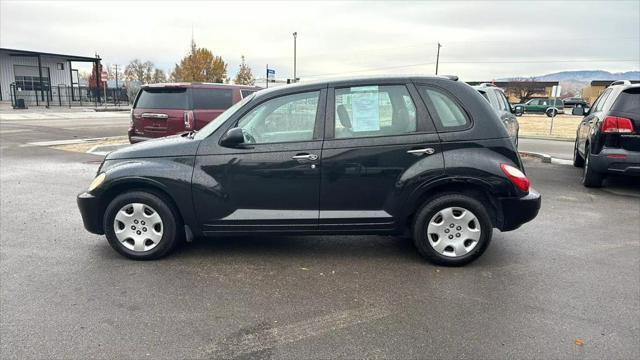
x: 365, y: 109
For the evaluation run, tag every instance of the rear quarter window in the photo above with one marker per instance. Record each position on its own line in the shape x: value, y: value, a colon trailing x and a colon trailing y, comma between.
x: 450, y: 116
x: 213, y: 99
x: 628, y: 101
x: 163, y: 98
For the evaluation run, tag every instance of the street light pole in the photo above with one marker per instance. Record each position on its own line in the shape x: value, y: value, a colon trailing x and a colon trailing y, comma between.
x: 295, y: 76
x: 438, y: 58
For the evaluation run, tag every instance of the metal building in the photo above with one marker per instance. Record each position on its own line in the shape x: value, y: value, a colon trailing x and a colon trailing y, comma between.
x: 39, y: 77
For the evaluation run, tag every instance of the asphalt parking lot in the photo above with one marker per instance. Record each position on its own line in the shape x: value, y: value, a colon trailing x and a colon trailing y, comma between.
x: 566, y: 285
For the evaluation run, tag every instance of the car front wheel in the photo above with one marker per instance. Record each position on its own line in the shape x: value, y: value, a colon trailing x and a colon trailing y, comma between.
x: 452, y: 230
x: 141, y: 225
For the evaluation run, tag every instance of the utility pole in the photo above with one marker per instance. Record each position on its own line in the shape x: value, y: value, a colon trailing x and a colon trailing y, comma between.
x: 295, y: 76
x: 438, y: 58
x: 117, y: 92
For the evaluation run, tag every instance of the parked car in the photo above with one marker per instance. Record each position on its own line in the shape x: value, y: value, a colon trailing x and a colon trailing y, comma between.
x: 425, y: 156
x: 608, y: 137
x: 575, y: 102
x: 551, y: 107
x: 495, y: 96
x: 167, y: 109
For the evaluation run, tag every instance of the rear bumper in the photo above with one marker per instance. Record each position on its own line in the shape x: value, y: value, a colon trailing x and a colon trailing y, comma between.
x: 91, y: 211
x: 517, y: 211
x: 616, y: 161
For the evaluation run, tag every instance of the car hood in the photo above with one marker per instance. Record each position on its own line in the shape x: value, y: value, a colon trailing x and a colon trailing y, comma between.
x: 177, y: 145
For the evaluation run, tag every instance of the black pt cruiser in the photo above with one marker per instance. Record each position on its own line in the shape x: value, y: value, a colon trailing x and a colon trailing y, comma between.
x: 420, y: 156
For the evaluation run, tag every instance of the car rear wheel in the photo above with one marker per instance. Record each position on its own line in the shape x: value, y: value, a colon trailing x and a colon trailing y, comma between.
x: 578, y: 160
x: 452, y: 230
x: 141, y: 225
x: 590, y: 177
x: 551, y: 112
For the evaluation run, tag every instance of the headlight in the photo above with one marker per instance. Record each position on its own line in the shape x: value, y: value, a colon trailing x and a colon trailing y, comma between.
x: 97, y: 181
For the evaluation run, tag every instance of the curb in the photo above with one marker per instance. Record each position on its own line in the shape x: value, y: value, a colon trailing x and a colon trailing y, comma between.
x: 111, y: 109
x: 544, y: 157
x: 547, y: 159
x: 542, y: 137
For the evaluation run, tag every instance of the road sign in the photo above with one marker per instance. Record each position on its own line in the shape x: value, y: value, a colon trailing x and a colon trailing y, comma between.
x: 271, y: 74
x: 556, y: 90
x: 103, y: 76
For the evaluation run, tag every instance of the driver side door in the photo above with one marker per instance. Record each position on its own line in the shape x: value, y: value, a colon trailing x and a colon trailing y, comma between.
x: 271, y: 182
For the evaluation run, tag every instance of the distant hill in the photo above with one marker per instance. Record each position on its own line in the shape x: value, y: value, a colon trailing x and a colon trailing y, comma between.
x: 589, y: 75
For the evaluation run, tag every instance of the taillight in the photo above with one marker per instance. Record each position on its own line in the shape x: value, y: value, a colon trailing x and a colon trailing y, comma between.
x: 517, y: 177
x: 615, y: 124
x: 188, y: 120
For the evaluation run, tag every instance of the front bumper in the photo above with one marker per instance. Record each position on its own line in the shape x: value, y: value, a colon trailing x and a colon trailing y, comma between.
x: 616, y: 161
x: 92, y: 212
x: 517, y: 211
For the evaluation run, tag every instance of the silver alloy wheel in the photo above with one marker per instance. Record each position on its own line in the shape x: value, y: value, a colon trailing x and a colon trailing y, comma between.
x: 138, y: 227
x: 454, y: 231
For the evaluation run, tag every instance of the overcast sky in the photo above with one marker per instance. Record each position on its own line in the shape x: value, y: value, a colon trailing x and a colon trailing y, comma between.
x: 481, y: 40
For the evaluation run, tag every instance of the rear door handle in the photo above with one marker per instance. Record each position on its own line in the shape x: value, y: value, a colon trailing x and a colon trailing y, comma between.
x: 419, y: 152
x: 311, y: 157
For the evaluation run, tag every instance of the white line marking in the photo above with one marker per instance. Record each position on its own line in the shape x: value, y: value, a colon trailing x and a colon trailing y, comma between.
x: 14, y: 131
x: 247, y: 342
x: 70, y: 141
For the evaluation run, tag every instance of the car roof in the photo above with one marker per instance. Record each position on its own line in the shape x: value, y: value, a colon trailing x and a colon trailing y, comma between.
x: 338, y: 81
x: 199, y: 85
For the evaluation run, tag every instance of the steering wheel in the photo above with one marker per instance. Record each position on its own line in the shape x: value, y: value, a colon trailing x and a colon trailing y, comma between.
x: 248, y: 138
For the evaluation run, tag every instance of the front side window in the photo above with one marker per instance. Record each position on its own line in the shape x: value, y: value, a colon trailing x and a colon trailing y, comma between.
x: 450, y: 114
x: 364, y: 111
x: 283, y: 119
x: 245, y: 92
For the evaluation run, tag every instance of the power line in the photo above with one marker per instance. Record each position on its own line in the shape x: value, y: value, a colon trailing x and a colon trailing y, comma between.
x: 571, y: 42
x: 477, y: 62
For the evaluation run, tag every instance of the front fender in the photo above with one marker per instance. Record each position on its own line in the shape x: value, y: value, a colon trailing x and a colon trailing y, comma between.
x: 170, y: 176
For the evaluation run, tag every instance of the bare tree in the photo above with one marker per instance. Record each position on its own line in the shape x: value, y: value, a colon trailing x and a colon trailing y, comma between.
x: 522, y: 88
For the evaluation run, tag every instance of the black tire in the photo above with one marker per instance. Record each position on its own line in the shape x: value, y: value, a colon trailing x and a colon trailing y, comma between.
x: 578, y: 160
x: 551, y: 112
x: 435, y: 205
x: 590, y: 177
x: 172, y: 233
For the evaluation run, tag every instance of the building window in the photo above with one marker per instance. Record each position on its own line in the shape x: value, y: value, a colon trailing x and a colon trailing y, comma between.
x: 60, y: 66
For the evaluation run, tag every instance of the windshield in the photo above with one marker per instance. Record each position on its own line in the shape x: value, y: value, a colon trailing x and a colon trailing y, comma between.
x: 215, y: 123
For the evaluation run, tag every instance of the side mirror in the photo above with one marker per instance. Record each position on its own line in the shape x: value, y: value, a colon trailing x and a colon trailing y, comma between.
x: 232, y: 138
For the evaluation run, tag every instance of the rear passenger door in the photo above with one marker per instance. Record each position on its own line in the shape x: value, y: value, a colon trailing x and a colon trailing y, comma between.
x: 379, y: 141
x: 209, y: 103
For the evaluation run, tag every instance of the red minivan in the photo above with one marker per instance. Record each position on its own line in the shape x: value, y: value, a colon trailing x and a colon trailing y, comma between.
x: 168, y: 109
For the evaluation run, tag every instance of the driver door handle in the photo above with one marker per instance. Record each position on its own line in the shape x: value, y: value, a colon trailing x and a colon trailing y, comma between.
x: 419, y: 152
x: 311, y: 157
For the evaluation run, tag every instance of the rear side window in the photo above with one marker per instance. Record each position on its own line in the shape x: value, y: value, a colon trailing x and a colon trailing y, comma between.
x: 213, y: 99
x: 163, y: 98
x: 493, y: 100
x: 450, y: 114
x: 246, y: 93
x: 363, y: 111
x: 601, y: 100
x: 628, y: 101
